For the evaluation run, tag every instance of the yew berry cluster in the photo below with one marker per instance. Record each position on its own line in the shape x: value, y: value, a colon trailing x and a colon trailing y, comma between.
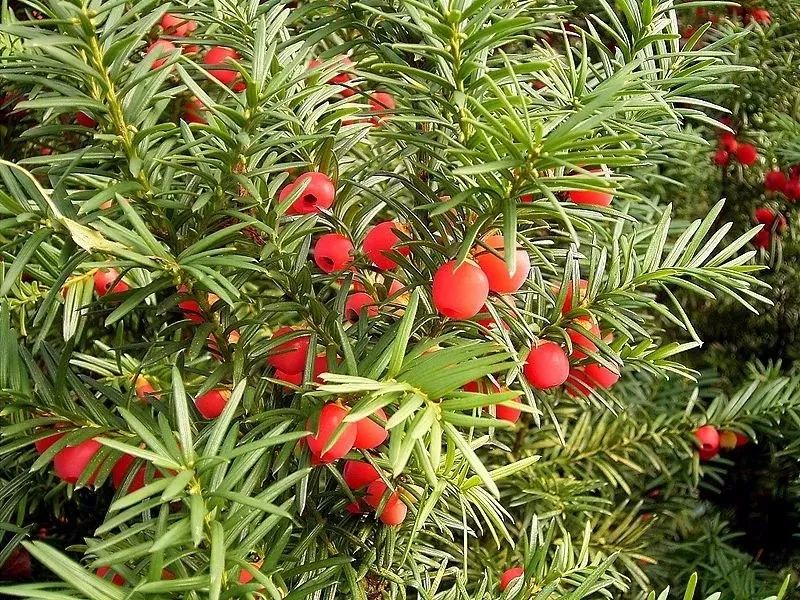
x: 710, y: 440
x: 730, y: 148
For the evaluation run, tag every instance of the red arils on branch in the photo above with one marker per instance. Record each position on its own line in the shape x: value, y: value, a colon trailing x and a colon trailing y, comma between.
x: 394, y: 509
x: 290, y: 356
x: 509, y: 576
x: 747, y: 154
x: 71, y: 461
x: 359, y: 474
x: 211, y: 404
x: 380, y: 240
x: 216, y: 58
x: 330, y: 417
x: 775, y: 181
x: 727, y: 141
x: 120, y: 471
x: 144, y: 389
x: 369, y: 433
x: 380, y: 103
x: 581, y: 343
x: 721, y: 158
x: 708, y: 437
x: 318, y: 194
x: 161, y: 50
x: 107, y: 281
x: 333, y: 252
x: 85, y: 120
x: 177, y: 25
x: 459, y: 292
x: 494, y: 267
x: 116, y: 578
x: 358, y: 304
x: 601, y: 375
x: 546, y: 366
x: 43, y: 444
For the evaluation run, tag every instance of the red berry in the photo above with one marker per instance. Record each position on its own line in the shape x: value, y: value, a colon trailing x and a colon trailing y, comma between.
x: 290, y: 356
x: 590, y: 197
x: 508, y: 411
x: 162, y: 49
x: 460, y: 291
x: 775, y: 181
x: 71, y: 461
x: 211, y: 404
x: 293, y: 378
x: 84, y: 119
x: 579, y: 384
x: 144, y: 389
x: 333, y: 252
x: 17, y: 566
x: 494, y: 267
x: 120, y: 471
x: 380, y: 240
x: 721, y: 158
x: 760, y: 16
x: 741, y: 439
x: 358, y: 303
x: 708, y: 437
x: 318, y: 194
x: 43, y: 444
x: 581, y: 344
x: 762, y: 239
x: 359, y: 474
x: 217, y: 57
x: 330, y: 417
x: 583, y: 287
x: 546, y: 366
x: 792, y: 190
x: 380, y: 102
x: 370, y: 434
x: 107, y: 281
x: 747, y: 154
x: 394, y: 509
x: 177, y: 25
x: 193, y: 110
x: 600, y: 375
x: 728, y: 142
x: 509, y: 576
x: 116, y: 578
x: 354, y: 508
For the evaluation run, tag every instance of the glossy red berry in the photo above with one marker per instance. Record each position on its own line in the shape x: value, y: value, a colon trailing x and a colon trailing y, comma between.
x: 211, y: 404
x: 120, y: 471
x: 161, y: 51
x: 318, y: 193
x: 380, y: 103
x: 290, y: 356
x: 721, y: 158
x: 381, y: 239
x: 295, y: 379
x: 546, y: 366
x: 775, y: 181
x: 508, y: 411
x: 460, y: 291
x: 359, y: 474
x: 728, y: 142
x: 747, y: 154
x: 177, y: 25
x: 741, y: 439
x: 43, y: 444
x: 116, y: 578
x: 771, y: 219
x: 394, y: 509
x: 792, y: 190
x: 354, y: 508
x: 71, y: 461
x: 590, y: 197
x: 601, y: 375
x: 107, y: 281
x: 581, y: 343
x: 760, y: 15
x: 216, y: 59
x: 333, y: 252
x: 708, y: 438
x: 509, y: 576
x: 193, y: 110
x: 494, y: 267
x: 330, y: 417
x: 85, y: 120
x: 583, y: 286
x: 370, y: 434
x: 579, y: 384
x: 358, y: 305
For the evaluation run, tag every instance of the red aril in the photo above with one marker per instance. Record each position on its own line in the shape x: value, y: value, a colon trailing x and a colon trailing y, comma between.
x: 601, y: 375
x: 708, y: 438
x: 775, y: 181
x: 394, y: 510
x: 369, y: 433
x: 211, y: 404
x: 291, y: 355
x: 500, y: 280
x: 381, y: 239
x: 333, y: 252
x: 160, y: 50
x: 359, y: 474
x: 546, y: 366
x: 747, y: 154
x: 120, y: 471
x: 459, y: 292
x: 509, y: 576
x: 107, y: 281
x: 215, y: 60
x: 329, y: 419
x: 71, y: 461
x: 177, y: 25
x: 116, y: 578
x: 43, y: 444
x: 380, y: 103
x: 318, y: 193
x: 358, y: 305
x: 581, y: 343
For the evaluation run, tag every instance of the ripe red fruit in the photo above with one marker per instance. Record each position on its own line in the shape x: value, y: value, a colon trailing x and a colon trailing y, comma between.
x: 583, y: 286
x: 120, y: 471
x: 317, y: 195
x: 581, y: 344
x: 193, y: 110
x: 358, y: 303
x: 760, y: 16
x: 107, y: 281
x: 85, y: 120
x: 494, y: 267
x: 216, y: 58
x: 460, y: 291
x: 359, y: 474
x: 546, y: 366
x: 590, y: 197
x: 370, y: 434
x: 116, y: 578
x: 721, y: 158
x: 161, y: 49
x: 741, y: 439
x: 144, y: 389
x: 508, y: 411
x: 394, y: 510
x: 380, y: 102
x: 728, y: 142
x: 381, y: 239
x: 43, y: 444
x: 333, y: 252
x: 792, y: 190
x: 330, y: 417
x: 191, y: 308
x: 354, y: 508
x: 747, y: 154
x: 775, y: 181
x: 762, y: 239
x: 290, y: 356
x: 600, y: 375
x: 509, y: 576
x: 71, y: 461
x: 246, y: 576
x: 177, y: 25
x: 579, y: 384
x: 708, y: 437
x: 770, y: 219
x: 211, y: 404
